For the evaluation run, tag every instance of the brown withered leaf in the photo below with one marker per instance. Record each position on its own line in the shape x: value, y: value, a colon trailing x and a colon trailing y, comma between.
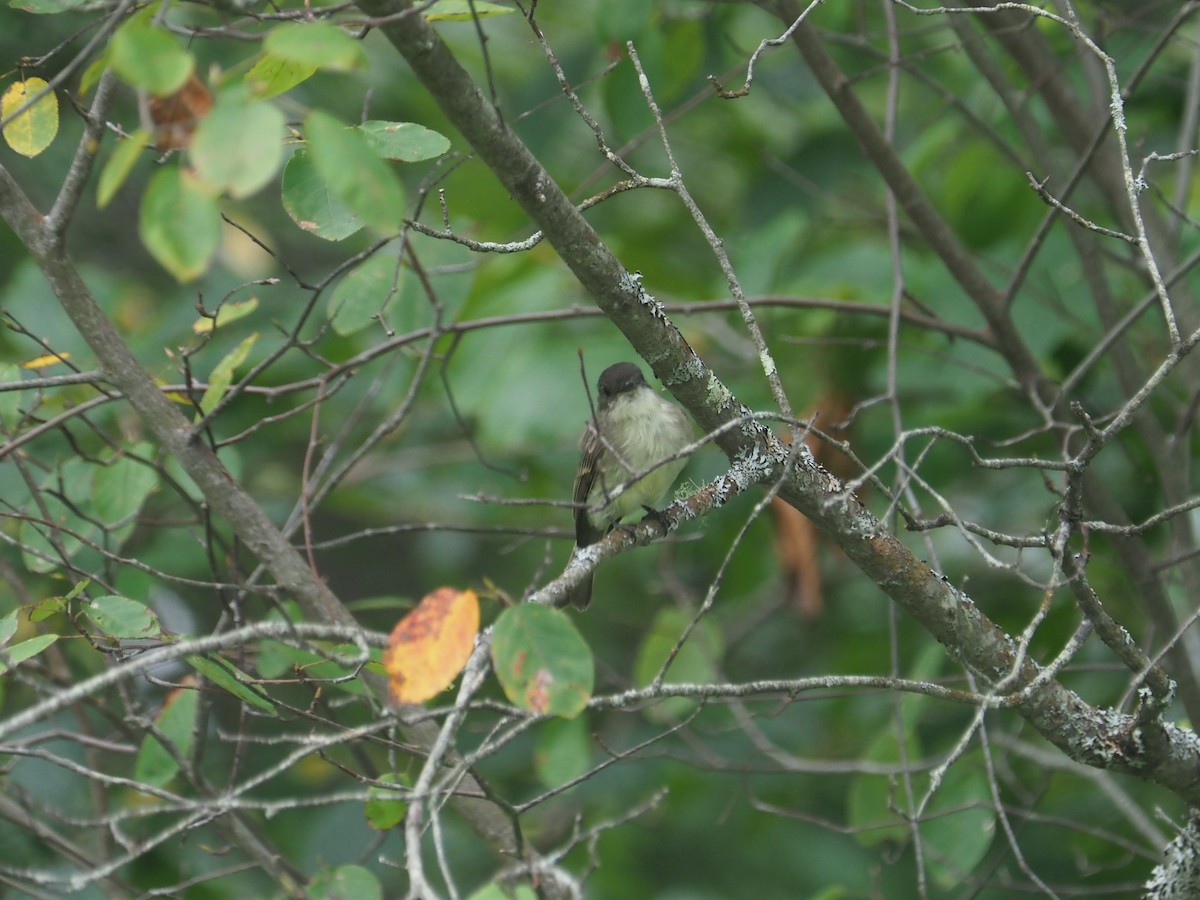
x: 796, y: 546
x: 796, y: 538
x: 176, y: 116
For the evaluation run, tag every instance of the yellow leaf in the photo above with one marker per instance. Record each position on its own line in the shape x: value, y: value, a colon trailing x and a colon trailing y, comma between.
x: 35, y: 126
x: 226, y: 313
x: 430, y: 646
x: 176, y: 396
x: 42, y: 362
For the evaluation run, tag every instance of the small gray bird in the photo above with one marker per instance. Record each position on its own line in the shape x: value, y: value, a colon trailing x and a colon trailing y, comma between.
x: 634, y: 429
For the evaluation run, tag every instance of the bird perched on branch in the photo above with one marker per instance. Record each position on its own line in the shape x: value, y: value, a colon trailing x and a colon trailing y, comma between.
x: 635, y: 433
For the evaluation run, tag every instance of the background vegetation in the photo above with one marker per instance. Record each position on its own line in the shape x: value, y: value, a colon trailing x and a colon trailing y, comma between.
x: 272, y: 382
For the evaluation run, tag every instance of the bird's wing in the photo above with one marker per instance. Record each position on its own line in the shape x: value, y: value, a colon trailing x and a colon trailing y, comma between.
x: 589, y: 463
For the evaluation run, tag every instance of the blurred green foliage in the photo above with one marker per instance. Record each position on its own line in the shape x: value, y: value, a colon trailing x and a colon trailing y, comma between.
x: 768, y: 796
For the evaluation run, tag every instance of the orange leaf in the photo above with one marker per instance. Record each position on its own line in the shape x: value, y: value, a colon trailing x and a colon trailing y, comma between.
x: 430, y: 646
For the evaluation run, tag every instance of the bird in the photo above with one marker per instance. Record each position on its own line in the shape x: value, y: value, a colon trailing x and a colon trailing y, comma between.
x: 634, y: 429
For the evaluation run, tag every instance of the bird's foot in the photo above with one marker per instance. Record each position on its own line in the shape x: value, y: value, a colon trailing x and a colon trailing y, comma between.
x: 657, y: 516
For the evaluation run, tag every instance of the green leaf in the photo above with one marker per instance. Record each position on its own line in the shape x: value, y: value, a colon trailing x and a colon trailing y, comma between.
x: 541, y: 660
x: 18, y: 653
x: 960, y: 825
x: 617, y: 22
x: 307, y: 199
x: 620, y: 92
x: 321, y: 667
x: 354, y: 173
x: 44, y: 609
x: 119, y: 165
x: 227, y: 313
x: 384, y: 602
x: 8, y: 627
x: 682, y: 57
x: 316, y: 44
x: 835, y: 892
x: 272, y: 76
x: 91, y: 75
x: 563, y: 751
x: 121, y: 487
x: 122, y: 618
x: 496, y: 892
x: 34, y: 127
x: 238, y: 146
x: 223, y: 675
x: 345, y: 883
x: 364, y: 293
x: 986, y: 210
x: 148, y: 56
x: 53, y: 7
x: 384, y: 808
x: 10, y: 401
x: 695, y: 663
x: 79, y: 588
x: 460, y: 11
x: 222, y: 374
x: 870, y: 801
x: 180, y: 223
x: 275, y: 659
x: 43, y: 545
x: 176, y: 721
x: 404, y: 141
